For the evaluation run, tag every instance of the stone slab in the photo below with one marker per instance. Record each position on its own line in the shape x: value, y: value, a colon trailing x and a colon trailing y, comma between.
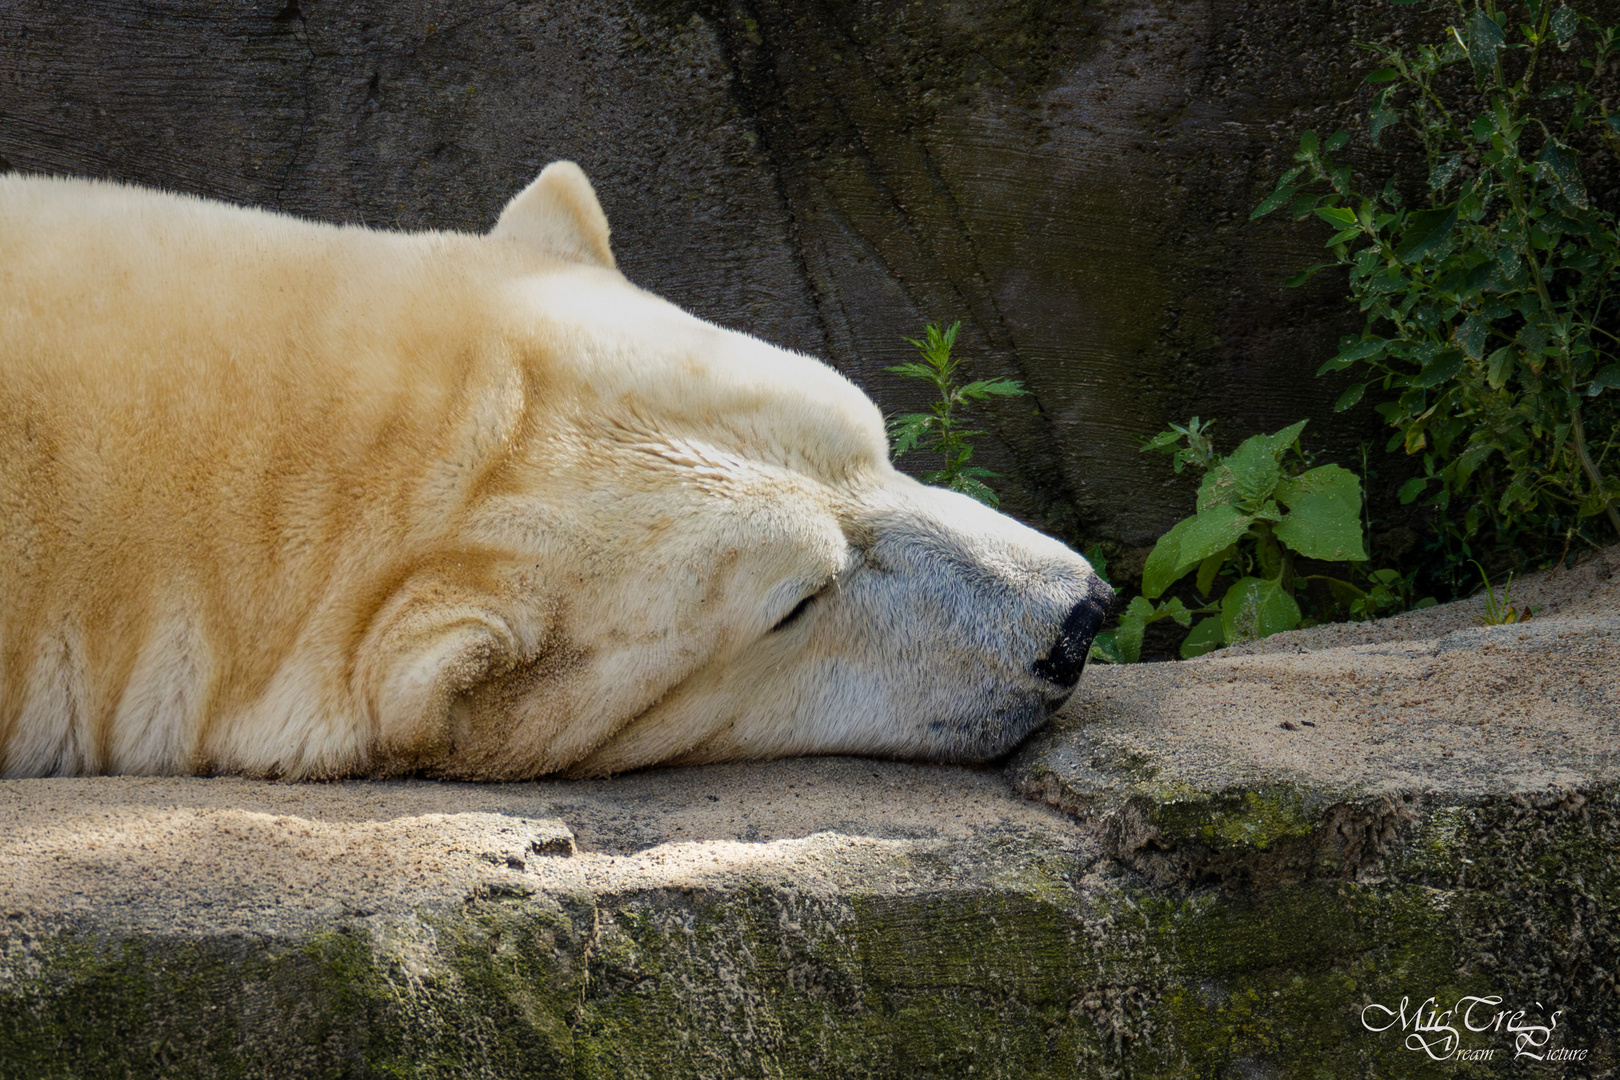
x: 1166, y: 882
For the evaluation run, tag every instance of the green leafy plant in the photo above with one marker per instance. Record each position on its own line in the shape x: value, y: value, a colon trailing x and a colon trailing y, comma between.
x: 1500, y: 613
x: 1492, y: 287
x: 1387, y: 592
x: 1258, y: 509
x: 940, y: 430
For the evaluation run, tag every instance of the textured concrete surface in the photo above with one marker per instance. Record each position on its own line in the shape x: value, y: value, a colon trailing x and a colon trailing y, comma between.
x: 1433, y: 698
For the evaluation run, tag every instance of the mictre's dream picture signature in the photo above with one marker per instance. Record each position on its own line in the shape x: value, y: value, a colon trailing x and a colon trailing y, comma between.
x: 1439, y: 1032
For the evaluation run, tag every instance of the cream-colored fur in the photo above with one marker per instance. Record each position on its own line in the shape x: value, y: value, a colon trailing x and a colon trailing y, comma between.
x: 298, y: 500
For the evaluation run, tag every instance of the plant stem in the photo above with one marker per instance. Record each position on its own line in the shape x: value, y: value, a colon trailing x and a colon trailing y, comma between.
x: 1576, y: 426
x: 1578, y: 430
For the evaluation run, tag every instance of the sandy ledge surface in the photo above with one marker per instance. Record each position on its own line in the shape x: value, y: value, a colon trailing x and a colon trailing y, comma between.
x: 1428, y: 702
x: 198, y: 854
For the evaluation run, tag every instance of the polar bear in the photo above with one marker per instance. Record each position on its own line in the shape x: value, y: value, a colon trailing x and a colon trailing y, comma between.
x: 297, y: 500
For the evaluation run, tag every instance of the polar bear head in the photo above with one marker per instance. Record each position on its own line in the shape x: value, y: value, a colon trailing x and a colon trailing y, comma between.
x: 745, y: 573
x: 335, y: 501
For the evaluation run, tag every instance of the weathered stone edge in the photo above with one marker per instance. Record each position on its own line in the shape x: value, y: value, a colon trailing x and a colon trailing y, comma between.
x: 1200, y: 947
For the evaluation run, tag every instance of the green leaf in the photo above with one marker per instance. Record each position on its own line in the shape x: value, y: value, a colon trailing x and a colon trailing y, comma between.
x: 975, y: 490
x: 1188, y: 543
x: 1499, y: 366
x: 1245, y: 479
x: 1337, y: 141
x: 1303, y: 276
x: 1350, y: 397
x: 1383, y: 75
x: 999, y: 387
x: 1271, y: 202
x: 1301, y: 208
x: 912, y: 370
x: 1268, y: 555
x: 1594, y: 503
x: 1359, y: 349
x: 1379, y: 120
x: 1607, y: 378
x: 1483, y: 39
x: 1557, y: 163
x: 1414, y: 440
x: 908, y: 431
x: 1533, y: 337
x: 1470, y: 460
x: 1206, y: 636
x: 1280, y: 441
x: 1218, y: 488
x: 1132, y: 622
x: 1337, y: 216
x: 1288, y: 177
x: 1307, y: 142
x: 1471, y: 335
x: 1324, y: 514
x: 1412, y: 489
x: 1442, y: 367
x: 1105, y: 649
x: 1254, y: 466
x: 1254, y: 608
x: 1163, y: 441
x: 1508, y: 272
x: 1426, y: 232
x: 940, y: 342
x: 1390, y: 281
x: 1211, y: 567
x: 1174, y: 609
x: 1564, y: 25
x: 1444, y: 170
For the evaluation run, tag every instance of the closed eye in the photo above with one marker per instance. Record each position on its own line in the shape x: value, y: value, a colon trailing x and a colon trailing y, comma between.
x: 804, y: 605
x: 793, y: 616
x: 854, y: 559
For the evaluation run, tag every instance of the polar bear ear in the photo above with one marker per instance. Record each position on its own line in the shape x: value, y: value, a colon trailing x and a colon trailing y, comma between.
x: 558, y: 214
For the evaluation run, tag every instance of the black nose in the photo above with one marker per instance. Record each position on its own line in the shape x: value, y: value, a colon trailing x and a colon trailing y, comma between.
x: 1062, y: 665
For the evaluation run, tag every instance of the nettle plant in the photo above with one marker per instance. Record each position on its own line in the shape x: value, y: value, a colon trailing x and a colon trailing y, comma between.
x: 941, y: 430
x: 1491, y: 289
x: 1259, y: 508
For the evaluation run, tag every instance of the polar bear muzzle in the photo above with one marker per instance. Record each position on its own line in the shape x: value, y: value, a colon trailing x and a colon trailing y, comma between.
x: 290, y: 499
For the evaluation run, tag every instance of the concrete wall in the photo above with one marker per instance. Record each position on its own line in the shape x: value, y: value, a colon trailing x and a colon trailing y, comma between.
x: 1071, y: 180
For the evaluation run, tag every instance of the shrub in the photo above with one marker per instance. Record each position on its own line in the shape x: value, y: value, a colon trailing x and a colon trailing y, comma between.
x: 939, y: 430
x: 1491, y: 287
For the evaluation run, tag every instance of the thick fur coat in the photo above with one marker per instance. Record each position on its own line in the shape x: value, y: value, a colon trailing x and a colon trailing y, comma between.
x: 291, y: 499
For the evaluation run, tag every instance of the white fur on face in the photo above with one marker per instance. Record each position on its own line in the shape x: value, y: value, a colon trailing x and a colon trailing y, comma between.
x: 920, y: 646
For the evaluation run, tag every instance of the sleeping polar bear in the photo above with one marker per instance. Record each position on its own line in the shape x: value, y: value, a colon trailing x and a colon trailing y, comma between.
x: 298, y: 500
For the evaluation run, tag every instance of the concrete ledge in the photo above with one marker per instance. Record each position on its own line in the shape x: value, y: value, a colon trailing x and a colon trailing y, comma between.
x: 1205, y: 869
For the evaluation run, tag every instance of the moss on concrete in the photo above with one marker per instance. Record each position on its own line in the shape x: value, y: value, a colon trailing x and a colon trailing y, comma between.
x: 1257, y: 819
x: 1031, y: 969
